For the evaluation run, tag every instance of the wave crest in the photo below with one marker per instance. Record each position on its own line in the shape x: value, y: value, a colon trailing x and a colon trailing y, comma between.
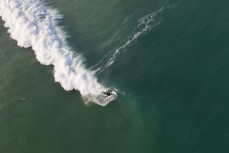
x: 145, y: 24
x: 32, y: 24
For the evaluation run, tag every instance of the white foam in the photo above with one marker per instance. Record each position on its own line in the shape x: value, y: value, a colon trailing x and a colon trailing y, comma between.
x: 145, y: 24
x: 32, y: 24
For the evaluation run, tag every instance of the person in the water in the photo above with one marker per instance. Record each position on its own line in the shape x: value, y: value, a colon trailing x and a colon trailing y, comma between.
x: 109, y: 93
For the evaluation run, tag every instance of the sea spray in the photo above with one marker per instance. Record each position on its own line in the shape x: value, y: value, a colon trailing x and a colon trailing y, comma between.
x: 33, y: 24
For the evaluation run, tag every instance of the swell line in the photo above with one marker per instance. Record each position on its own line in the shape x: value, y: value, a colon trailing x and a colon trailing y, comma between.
x: 145, y: 24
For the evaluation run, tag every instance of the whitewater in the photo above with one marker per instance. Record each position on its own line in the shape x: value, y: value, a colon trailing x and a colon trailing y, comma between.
x: 33, y: 24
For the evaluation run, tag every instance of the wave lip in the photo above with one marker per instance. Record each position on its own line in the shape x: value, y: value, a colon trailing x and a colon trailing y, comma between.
x: 32, y: 24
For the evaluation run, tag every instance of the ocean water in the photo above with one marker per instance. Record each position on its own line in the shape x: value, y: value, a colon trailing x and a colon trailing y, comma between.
x: 167, y: 59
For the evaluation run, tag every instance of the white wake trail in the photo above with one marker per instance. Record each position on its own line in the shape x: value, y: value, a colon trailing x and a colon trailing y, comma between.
x: 32, y: 24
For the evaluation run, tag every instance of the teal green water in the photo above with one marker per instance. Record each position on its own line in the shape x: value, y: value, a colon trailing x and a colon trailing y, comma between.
x: 173, y: 82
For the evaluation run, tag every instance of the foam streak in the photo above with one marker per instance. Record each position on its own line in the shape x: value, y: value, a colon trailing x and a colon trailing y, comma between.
x: 145, y: 24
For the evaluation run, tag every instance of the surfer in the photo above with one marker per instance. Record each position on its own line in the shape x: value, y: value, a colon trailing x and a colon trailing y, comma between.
x: 109, y: 93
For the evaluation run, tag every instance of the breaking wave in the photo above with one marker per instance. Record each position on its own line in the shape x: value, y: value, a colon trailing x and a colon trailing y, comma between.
x: 33, y: 24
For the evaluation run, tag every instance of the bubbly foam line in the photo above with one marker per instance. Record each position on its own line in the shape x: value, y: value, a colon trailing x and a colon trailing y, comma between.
x: 32, y: 24
x: 145, y: 24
